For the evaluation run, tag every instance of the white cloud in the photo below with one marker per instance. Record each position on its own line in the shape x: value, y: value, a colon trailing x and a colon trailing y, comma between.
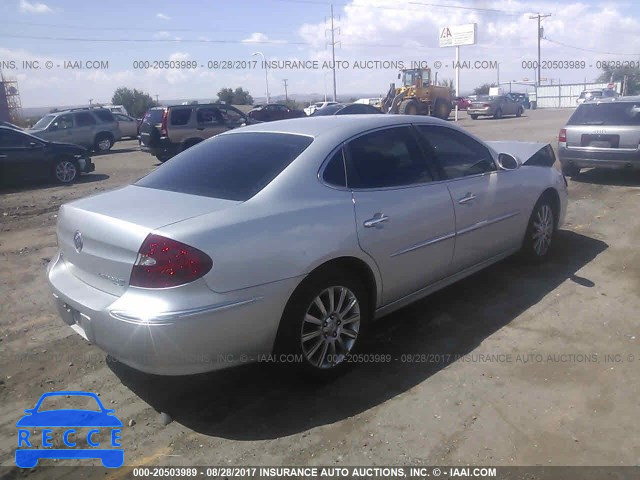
x: 256, y: 37
x: 33, y: 7
x: 163, y: 16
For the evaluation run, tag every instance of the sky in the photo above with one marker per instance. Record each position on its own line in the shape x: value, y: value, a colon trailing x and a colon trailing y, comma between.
x: 121, y: 36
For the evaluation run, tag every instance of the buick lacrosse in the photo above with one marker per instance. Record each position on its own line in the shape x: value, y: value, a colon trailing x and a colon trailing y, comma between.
x: 293, y: 236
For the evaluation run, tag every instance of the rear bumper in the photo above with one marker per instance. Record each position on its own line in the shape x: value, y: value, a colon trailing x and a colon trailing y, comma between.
x: 150, y: 331
x: 479, y: 112
x: 598, y: 158
x: 165, y: 148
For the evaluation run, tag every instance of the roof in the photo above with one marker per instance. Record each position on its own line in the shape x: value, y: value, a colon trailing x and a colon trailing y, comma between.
x: 347, y: 124
x: 629, y: 99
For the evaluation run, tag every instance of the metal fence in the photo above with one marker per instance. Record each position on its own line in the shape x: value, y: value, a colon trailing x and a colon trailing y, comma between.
x: 564, y: 96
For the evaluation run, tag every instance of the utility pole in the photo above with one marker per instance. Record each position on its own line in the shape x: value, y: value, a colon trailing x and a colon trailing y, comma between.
x: 540, y: 33
x: 286, y: 95
x: 333, y: 52
x: 157, y: 103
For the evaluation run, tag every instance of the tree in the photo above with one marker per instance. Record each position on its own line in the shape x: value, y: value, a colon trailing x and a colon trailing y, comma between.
x: 136, y: 102
x: 483, y: 89
x: 617, y: 75
x: 237, y: 97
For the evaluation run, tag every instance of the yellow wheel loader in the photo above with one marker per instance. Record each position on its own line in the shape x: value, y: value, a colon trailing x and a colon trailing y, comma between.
x: 417, y: 96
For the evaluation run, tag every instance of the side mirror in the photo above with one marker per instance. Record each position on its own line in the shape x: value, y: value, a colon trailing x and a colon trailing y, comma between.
x: 508, y: 161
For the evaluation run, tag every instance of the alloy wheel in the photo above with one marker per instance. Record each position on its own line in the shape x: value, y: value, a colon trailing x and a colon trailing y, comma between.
x: 542, y: 230
x: 66, y: 171
x: 330, y: 327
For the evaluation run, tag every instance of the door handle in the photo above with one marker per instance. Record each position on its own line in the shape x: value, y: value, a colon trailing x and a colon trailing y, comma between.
x: 377, y: 218
x: 200, y: 128
x: 467, y: 198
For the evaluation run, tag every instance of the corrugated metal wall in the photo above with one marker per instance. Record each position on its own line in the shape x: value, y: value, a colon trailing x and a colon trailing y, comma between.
x: 564, y: 96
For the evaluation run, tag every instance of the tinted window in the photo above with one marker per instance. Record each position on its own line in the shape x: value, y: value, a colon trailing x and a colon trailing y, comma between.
x: 619, y: 113
x: 209, y: 115
x: 43, y: 122
x: 179, y: 116
x: 11, y: 138
x: 84, y: 119
x: 458, y: 154
x: 334, y: 171
x: 154, y: 115
x: 544, y: 158
x: 231, y: 115
x: 358, y: 109
x: 386, y: 158
x: 329, y: 110
x: 233, y: 167
x: 104, y: 115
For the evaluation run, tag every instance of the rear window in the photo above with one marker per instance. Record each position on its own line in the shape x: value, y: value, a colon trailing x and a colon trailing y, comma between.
x: 329, y: 110
x: 232, y: 167
x: 154, y: 116
x: 179, y: 116
x: 622, y: 113
x: 104, y: 115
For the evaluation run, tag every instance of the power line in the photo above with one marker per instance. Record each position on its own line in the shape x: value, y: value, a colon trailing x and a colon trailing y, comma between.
x: 589, y: 50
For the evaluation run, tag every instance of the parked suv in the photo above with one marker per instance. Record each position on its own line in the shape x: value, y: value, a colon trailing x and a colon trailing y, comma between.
x: 167, y: 131
x: 602, y: 133
x: 93, y: 128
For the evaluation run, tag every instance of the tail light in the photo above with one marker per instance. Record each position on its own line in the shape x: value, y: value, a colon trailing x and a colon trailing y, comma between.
x: 562, y: 136
x: 163, y: 127
x: 163, y: 262
x: 486, y: 105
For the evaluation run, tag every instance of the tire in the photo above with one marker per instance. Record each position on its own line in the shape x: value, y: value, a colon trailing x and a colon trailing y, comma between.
x: 163, y: 158
x: 474, y: 117
x: 65, y: 171
x: 519, y: 112
x: 408, y: 107
x: 570, y: 171
x: 103, y: 142
x: 338, y: 336
x: 540, y: 231
x: 188, y: 144
x: 442, y: 110
x: 498, y: 114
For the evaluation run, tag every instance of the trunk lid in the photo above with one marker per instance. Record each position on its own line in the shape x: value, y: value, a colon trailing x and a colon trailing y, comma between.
x: 99, y: 237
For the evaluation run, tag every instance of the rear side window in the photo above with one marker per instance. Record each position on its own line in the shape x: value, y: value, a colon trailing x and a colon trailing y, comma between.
x: 386, y: 158
x: 334, y: 171
x: 619, y: 113
x: 105, y: 115
x: 232, y: 167
x: 84, y: 119
x: 179, y: 116
x: 209, y: 115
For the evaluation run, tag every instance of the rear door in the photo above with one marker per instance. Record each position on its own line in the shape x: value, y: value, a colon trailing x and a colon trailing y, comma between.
x: 150, y: 127
x: 486, y: 200
x: 404, y: 218
x: 179, y: 125
x: 85, y: 126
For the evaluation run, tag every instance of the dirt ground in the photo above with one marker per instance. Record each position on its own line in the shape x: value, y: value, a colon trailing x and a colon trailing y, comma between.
x: 512, y: 366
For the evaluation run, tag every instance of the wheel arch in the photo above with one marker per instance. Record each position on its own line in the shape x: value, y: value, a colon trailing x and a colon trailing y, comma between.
x: 555, y: 203
x: 190, y: 142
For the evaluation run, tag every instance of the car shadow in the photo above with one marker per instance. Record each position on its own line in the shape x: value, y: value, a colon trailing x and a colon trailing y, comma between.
x: 85, y: 178
x: 115, y: 150
x: 620, y: 178
x: 256, y: 402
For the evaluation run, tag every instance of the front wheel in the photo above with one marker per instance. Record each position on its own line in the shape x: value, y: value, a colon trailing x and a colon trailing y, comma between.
x: 540, y: 231
x: 442, y: 110
x: 474, y: 117
x: 103, y: 143
x: 324, y: 322
x: 65, y: 171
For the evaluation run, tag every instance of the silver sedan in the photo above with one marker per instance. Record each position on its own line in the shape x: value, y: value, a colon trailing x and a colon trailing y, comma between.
x: 285, y: 240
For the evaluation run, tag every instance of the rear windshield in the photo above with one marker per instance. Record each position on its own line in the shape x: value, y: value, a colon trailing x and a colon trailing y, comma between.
x: 328, y: 110
x: 627, y: 113
x: 232, y: 167
x: 154, y: 116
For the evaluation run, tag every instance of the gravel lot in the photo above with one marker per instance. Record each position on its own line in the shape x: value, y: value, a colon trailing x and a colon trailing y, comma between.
x: 513, y: 366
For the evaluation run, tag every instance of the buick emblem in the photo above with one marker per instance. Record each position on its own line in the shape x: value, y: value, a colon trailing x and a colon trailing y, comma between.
x: 77, y: 241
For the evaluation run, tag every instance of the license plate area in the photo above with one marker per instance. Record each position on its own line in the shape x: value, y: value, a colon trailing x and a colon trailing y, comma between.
x: 78, y: 321
x: 600, y: 141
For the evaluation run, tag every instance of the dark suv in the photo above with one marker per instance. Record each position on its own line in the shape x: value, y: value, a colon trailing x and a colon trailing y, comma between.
x: 167, y: 131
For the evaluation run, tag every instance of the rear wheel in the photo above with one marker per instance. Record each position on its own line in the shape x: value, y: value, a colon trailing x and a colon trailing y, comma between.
x: 324, y: 322
x: 408, y: 107
x: 163, y: 158
x: 570, y: 171
x: 474, y: 117
x: 65, y: 170
x: 540, y: 231
x: 103, y: 142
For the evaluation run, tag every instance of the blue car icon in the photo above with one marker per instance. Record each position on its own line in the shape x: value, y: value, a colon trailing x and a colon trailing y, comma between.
x: 68, y: 419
